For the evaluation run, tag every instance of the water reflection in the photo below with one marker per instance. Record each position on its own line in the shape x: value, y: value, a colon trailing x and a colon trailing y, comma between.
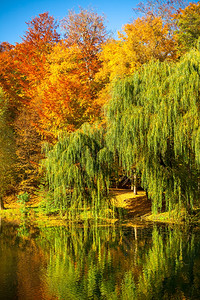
x: 99, y: 263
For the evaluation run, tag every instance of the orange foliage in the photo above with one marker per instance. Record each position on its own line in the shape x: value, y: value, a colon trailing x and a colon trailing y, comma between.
x: 56, y: 80
x: 66, y: 97
x: 22, y: 66
x: 55, y: 85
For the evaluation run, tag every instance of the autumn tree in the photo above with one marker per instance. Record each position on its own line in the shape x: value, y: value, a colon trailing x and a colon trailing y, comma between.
x: 22, y: 66
x: 63, y: 100
x: 150, y: 36
x: 22, y: 69
x: 86, y: 31
x: 8, y: 159
x: 42, y: 33
x: 161, y: 9
x: 141, y: 41
x: 188, y: 22
x: 66, y: 97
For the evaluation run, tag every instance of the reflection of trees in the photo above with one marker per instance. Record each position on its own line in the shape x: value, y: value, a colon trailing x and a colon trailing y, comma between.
x: 101, y: 262
x: 106, y: 263
x: 88, y: 263
x: 168, y: 268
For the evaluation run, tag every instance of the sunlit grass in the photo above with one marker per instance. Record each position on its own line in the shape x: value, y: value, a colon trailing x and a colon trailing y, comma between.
x: 128, y: 206
x: 173, y: 216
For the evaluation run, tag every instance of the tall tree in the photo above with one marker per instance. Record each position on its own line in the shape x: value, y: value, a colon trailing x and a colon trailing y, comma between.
x: 22, y: 66
x: 153, y: 124
x: 141, y: 41
x: 161, y: 9
x: 22, y: 69
x: 86, y: 31
x: 42, y: 32
x: 8, y: 159
x: 188, y: 22
x: 66, y: 97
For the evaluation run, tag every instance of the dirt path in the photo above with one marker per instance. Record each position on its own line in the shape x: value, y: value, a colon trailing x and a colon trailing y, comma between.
x: 137, y: 206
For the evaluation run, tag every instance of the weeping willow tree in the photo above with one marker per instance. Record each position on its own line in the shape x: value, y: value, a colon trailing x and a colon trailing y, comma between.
x: 153, y: 124
x: 77, y: 170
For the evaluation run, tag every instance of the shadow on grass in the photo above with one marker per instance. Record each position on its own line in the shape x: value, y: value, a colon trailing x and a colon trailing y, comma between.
x: 131, y: 206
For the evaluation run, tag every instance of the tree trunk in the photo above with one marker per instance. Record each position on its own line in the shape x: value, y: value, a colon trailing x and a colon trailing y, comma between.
x: 135, y: 231
x: 1, y: 203
x: 134, y: 183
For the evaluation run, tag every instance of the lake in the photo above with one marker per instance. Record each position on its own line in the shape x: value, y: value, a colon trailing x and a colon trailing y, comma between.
x: 144, y: 261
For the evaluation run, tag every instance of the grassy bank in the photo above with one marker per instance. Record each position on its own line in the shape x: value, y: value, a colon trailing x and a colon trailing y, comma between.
x: 130, y: 208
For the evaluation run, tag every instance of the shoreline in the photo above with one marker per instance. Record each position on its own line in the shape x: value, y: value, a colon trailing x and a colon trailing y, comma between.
x: 133, y: 210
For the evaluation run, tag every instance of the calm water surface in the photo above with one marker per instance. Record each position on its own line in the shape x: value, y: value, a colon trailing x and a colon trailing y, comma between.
x: 141, y: 262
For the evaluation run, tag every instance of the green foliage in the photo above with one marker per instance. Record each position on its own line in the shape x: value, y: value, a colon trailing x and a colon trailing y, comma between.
x: 108, y: 263
x: 128, y: 287
x: 188, y: 21
x: 80, y: 264
x: 23, y: 199
x: 163, y: 264
x: 77, y: 170
x: 154, y: 125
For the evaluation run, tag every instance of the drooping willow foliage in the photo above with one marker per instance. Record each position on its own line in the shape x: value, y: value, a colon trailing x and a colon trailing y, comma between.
x: 154, y: 125
x: 78, y: 169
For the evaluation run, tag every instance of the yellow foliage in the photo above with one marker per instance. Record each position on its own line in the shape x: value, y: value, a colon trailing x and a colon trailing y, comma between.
x: 145, y: 39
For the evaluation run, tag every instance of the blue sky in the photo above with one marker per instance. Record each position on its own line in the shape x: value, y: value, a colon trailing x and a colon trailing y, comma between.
x: 14, y: 14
